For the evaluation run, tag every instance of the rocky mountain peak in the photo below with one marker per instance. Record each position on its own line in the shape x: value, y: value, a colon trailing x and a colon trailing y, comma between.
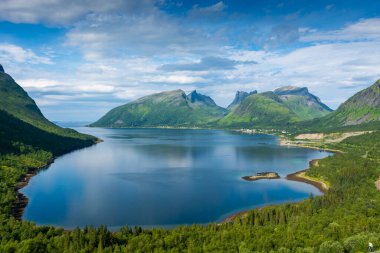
x: 292, y: 90
x: 194, y: 97
x: 194, y: 94
x: 239, y: 97
x: 1, y: 69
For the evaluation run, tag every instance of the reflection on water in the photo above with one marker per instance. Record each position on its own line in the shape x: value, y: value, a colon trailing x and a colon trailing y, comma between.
x: 164, y: 177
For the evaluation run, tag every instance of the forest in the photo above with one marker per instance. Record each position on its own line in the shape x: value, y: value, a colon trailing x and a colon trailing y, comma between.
x: 345, y: 219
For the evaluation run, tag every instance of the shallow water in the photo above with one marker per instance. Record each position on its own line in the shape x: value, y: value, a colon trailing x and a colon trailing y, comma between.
x: 164, y: 177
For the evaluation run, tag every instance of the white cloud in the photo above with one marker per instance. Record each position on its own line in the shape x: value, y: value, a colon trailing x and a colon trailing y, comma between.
x: 17, y: 54
x: 38, y: 83
x: 214, y: 10
x: 365, y: 29
x: 179, y: 79
x: 113, y: 35
x: 123, y: 55
x: 64, y: 12
x: 96, y: 88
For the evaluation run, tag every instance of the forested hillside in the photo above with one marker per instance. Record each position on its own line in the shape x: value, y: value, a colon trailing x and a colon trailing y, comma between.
x: 28, y: 142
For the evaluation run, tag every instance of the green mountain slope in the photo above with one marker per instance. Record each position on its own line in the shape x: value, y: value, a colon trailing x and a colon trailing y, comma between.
x: 361, y: 111
x: 363, y: 107
x: 301, y: 102
x: 260, y: 110
x: 170, y: 108
x: 22, y: 123
x: 280, y: 108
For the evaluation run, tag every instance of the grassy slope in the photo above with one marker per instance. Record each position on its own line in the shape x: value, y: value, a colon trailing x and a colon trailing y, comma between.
x: 162, y: 109
x: 259, y: 110
x: 304, y: 108
x: 15, y: 101
x: 363, y: 107
x: 361, y: 111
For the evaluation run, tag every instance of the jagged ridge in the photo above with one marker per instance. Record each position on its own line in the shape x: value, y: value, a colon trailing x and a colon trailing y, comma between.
x: 169, y: 108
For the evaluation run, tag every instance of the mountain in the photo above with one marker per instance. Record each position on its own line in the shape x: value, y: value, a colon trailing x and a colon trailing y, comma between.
x: 169, y: 108
x: 16, y: 102
x: 284, y: 106
x: 260, y: 110
x: 239, y: 97
x: 22, y: 123
x: 304, y: 104
x: 359, y: 111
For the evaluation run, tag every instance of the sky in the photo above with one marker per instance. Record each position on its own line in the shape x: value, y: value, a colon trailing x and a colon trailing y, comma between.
x: 79, y: 59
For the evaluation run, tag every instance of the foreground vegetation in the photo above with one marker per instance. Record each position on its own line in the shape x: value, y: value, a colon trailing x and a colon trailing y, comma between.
x: 345, y: 219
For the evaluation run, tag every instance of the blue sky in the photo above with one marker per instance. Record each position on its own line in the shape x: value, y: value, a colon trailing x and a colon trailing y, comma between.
x: 78, y: 59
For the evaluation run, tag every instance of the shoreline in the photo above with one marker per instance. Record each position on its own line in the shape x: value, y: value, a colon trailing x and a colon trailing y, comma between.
x: 297, y: 176
x: 21, y: 200
x: 286, y: 142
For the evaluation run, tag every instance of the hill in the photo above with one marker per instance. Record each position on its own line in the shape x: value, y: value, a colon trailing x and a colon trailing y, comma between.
x: 283, y: 107
x: 169, y: 108
x: 359, y: 112
x: 259, y: 110
x: 23, y: 124
x: 302, y: 102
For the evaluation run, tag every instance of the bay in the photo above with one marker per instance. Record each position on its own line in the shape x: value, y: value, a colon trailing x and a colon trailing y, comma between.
x: 164, y: 177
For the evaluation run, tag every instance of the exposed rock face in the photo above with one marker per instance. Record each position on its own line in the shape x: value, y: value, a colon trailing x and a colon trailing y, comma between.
x: 239, y: 97
x: 195, y: 97
x: 1, y: 69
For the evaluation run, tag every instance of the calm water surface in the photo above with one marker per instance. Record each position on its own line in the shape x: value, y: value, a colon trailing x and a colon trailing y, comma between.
x: 164, y: 177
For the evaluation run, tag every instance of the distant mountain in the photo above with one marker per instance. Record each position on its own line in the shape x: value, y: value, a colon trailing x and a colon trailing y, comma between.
x: 239, y: 97
x: 260, y: 110
x: 361, y: 109
x: 282, y: 107
x: 22, y: 123
x: 170, y: 108
x: 304, y: 104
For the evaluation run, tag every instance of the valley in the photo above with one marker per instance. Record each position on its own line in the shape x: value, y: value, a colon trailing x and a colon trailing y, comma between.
x: 29, y: 143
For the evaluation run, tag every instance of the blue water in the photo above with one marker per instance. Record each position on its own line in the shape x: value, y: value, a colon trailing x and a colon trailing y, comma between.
x: 164, y: 177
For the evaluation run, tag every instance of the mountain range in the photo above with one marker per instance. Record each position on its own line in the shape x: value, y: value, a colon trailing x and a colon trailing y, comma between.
x: 284, y: 106
x: 281, y: 107
x: 287, y: 107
